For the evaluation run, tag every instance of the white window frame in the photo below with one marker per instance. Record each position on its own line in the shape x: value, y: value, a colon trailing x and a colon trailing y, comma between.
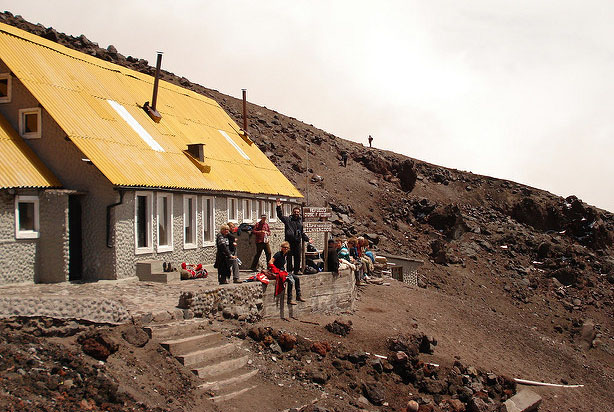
x: 9, y: 87
x: 169, y: 222
x: 272, y: 210
x: 192, y: 219
x: 27, y: 234
x: 229, y: 202
x: 148, y: 225
x: 246, y: 205
x: 287, y: 209
x: 22, y: 123
x: 211, y: 222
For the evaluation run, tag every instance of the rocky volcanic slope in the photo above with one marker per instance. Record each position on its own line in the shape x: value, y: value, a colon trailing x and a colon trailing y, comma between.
x: 541, y: 253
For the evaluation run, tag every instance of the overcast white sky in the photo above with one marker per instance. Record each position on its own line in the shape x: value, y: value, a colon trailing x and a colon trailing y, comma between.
x: 521, y: 90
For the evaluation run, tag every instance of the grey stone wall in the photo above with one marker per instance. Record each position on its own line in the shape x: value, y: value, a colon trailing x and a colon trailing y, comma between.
x: 124, y: 235
x: 323, y: 292
x: 35, y: 260
x: 18, y: 257
x: 52, y: 262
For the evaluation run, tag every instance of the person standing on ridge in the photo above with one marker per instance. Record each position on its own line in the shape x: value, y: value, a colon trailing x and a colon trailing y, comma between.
x: 293, y: 234
x: 370, y: 140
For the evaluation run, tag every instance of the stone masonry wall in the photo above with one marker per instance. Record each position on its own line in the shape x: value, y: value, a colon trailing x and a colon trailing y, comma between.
x: 53, y: 256
x: 35, y: 260
x: 323, y: 292
x: 18, y: 257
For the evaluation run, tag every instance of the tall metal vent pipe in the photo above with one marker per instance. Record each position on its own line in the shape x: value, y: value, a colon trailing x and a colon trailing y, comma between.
x: 244, y: 111
x: 154, y: 99
x: 151, y: 110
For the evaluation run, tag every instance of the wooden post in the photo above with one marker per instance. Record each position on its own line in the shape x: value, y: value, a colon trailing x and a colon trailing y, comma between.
x: 302, y: 241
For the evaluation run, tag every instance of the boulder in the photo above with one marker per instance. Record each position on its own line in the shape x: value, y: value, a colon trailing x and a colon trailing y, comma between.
x: 448, y: 220
x: 374, y: 392
x: 524, y: 401
x: 407, y: 175
x: 340, y: 327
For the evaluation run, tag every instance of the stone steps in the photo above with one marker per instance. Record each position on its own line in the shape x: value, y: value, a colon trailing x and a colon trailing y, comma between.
x: 222, y: 366
x: 182, y: 328
x: 211, y: 371
x: 229, y: 383
x: 153, y: 271
x: 206, y: 355
x: 191, y: 343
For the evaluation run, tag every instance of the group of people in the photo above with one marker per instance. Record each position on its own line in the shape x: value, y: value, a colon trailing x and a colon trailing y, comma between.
x: 226, y: 260
x: 352, y: 253
x: 288, y: 259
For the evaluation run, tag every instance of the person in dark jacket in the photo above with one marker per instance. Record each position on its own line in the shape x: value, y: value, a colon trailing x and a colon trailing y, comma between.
x: 293, y: 234
x: 223, y: 257
x: 232, y: 246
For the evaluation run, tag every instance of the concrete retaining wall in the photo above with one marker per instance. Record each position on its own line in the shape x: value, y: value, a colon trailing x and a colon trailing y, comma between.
x: 324, y: 291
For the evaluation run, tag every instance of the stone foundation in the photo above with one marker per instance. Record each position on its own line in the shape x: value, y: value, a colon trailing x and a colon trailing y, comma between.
x: 323, y: 292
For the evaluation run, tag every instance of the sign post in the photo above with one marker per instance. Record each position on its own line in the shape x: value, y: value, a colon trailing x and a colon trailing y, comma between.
x: 315, y: 220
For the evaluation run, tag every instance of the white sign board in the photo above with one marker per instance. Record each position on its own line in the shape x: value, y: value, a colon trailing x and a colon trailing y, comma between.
x: 317, y: 212
x: 317, y: 227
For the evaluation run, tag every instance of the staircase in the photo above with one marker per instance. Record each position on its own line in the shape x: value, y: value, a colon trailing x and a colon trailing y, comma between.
x: 153, y: 271
x: 221, y: 365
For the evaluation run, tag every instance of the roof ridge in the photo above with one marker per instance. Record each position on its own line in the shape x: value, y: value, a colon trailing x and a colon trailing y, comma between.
x: 95, y: 61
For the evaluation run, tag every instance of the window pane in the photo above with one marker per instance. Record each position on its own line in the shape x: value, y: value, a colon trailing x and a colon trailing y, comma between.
x: 207, y: 221
x: 4, y: 87
x: 272, y: 210
x: 189, y: 225
x: 31, y: 122
x: 26, y: 216
x: 141, y: 221
x: 163, y: 221
x: 232, y: 213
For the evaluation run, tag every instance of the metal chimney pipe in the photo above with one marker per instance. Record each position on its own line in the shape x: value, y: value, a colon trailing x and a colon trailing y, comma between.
x: 244, y: 111
x: 154, y: 99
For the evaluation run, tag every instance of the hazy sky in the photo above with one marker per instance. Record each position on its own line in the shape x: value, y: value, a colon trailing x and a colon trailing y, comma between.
x: 521, y: 90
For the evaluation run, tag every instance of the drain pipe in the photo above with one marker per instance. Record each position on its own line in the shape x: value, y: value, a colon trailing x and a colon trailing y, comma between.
x: 109, y: 207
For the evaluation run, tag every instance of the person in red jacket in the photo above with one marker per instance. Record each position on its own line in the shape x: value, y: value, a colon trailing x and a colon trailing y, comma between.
x: 262, y: 232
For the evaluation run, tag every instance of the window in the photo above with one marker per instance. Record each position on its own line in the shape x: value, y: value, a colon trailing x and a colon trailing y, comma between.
x: 26, y: 217
x: 143, y: 216
x: 247, y: 210
x: 272, y: 209
x: 165, y: 222
x: 287, y: 209
x: 232, y: 210
x: 30, y: 123
x: 189, y: 221
x: 208, y: 221
x: 5, y: 87
x: 261, y: 208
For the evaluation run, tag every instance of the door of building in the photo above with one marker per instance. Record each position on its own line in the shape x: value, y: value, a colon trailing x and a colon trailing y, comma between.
x: 75, y: 247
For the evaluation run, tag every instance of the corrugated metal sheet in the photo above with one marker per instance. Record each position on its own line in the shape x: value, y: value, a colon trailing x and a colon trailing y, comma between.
x: 74, y: 89
x: 19, y: 166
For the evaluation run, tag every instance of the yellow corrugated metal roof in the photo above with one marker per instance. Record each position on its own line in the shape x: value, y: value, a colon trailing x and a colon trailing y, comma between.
x: 75, y: 89
x: 19, y: 166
